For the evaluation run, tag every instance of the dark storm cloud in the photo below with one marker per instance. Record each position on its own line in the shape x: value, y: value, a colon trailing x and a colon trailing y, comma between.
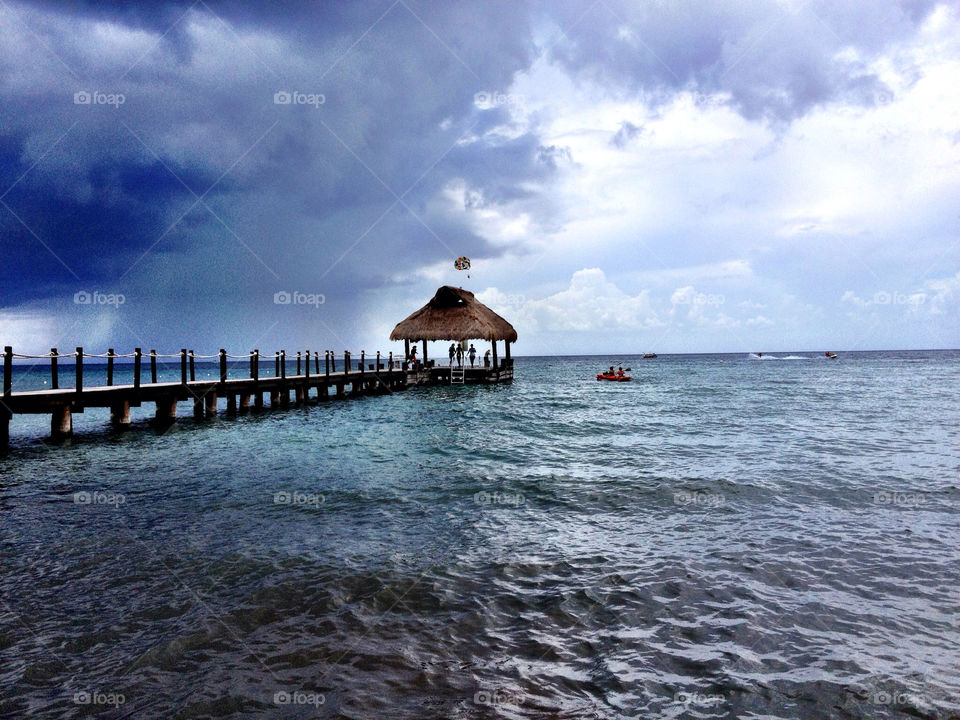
x: 398, y: 83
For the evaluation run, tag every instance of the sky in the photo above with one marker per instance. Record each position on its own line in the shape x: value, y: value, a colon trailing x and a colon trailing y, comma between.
x: 626, y: 176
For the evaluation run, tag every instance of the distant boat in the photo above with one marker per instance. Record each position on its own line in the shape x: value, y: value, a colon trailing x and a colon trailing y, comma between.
x: 831, y: 355
x: 649, y: 355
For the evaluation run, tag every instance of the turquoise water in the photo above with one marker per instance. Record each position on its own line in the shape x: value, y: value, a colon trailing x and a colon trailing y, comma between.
x: 721, y: 537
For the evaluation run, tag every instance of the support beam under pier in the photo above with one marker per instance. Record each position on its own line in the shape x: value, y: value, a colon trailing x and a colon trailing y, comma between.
x: 61, y: 423
x: 120, y: 415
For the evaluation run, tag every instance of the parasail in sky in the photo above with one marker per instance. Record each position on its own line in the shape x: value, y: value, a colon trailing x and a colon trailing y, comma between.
x: 462, y: 263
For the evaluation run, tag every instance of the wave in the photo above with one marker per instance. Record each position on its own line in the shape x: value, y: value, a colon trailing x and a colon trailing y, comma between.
x: 754, y: 356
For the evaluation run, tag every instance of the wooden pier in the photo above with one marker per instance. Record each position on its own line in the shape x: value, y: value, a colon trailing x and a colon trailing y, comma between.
x: 317, y: 378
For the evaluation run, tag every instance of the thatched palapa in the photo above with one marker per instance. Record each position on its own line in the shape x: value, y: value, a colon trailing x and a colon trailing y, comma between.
x: 454, y: 314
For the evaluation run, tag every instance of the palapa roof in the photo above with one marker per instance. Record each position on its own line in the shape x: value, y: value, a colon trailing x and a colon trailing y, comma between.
x: 454, y: 314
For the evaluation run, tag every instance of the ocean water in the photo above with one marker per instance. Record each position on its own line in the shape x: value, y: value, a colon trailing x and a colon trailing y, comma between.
x: 721, y: 537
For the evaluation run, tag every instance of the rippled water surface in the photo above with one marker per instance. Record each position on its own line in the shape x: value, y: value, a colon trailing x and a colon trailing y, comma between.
x: 721, y: 537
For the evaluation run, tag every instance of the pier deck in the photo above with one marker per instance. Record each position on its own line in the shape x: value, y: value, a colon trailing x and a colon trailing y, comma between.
x: 384, y: 375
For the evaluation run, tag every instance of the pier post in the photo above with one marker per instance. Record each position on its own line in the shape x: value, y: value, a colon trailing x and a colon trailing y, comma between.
x: 298, y: 395
x: 166, y: 410
x: 120, y: 415
x: 307, y: 368
x: 5, y: 416
x: 424, y: 353
x: 153, y: 366
x: 494, y: 354
x: 276, y: 362
x: 363, y: 371
x: 274, y: 398
x: 257, y: 395
x: 283, y: 364
x: 244, y: 402
x: 223, y: 365
x: 232, y: 403
x: 298, y: 363
x: 198, y: 407
x: 61, y: 422
x: 79, y: 370
x: 326, y: 360
x: 193, y: 375
x: 316, y: 361
x: 183, y: 366
x: 390, y: 366
x: 406, y: 350
x: 7, y: 371
x: 137, y: 357
x: 110, y: 355
x: 346, y: 362
x: 333, y: 362
x: 54, y: 370
x: 211, y: 403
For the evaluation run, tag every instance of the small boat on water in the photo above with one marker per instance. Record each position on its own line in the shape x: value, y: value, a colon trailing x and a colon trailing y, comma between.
x: 614, y: 377
x: 831, y: 355
x: 649, y: 355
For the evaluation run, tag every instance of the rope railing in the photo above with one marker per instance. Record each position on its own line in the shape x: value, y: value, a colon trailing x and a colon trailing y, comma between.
x: 308, y: 363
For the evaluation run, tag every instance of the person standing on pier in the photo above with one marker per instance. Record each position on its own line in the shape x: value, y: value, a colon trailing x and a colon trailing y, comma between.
x: 473, y: 354
x: 486, y: 358
x: 453, y: 351
x: 460, y: 355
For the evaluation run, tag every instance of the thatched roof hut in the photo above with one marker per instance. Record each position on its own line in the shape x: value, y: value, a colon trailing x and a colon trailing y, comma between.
x: 454, y: 314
